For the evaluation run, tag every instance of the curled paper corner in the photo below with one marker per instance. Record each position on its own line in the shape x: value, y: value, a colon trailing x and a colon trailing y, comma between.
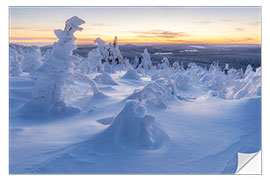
x: 249, y: 163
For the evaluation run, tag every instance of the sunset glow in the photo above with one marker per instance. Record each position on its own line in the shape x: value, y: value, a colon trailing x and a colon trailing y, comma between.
x: 224, y: 25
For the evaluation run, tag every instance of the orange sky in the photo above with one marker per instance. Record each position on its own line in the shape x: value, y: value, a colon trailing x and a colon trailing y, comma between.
x: 240, y: 25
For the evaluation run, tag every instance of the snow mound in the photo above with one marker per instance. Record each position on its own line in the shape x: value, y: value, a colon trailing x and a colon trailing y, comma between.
x: 131, y: 74
x: 133, y: 127
x: 105, y: 78
x: 155, y: 93
x: 42, y: 108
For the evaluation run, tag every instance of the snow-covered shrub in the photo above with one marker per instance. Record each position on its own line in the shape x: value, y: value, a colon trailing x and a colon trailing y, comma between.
x: 15, y: 60
x: 32, y: 59
x: 185, y: 79
x: 248, y: 86
x: 144, y: 62
x: 165, y: 64
x: 156, y: 93
x: 182, y: 82
x: 175, y: 66
x: 54, y: 74
x: 214, y: 78
x: 95, y: 61
x: 133, y: 127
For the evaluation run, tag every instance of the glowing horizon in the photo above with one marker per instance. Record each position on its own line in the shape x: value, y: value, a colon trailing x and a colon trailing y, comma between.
x: 189, y: 25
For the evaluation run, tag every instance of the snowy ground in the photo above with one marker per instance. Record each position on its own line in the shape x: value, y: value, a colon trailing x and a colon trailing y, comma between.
x: 105, y: 115
x: 200, y: 133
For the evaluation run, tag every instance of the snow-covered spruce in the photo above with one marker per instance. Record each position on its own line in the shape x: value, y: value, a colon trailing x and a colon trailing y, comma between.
x: 165, y: 64
x: 48, y: 95
x: 144, y: 62
x: 110, y: 54
x: 133, y: 127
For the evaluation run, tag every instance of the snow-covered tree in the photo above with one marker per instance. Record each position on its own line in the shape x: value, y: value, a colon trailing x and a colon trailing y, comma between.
x: 145, y: 62
x: 53, y: 75
x: 110, y: 53
x: 15, y: 60
x: 176, y: 66
x: 117, y: 56
x: 32, y: 59
x: 165, y: 63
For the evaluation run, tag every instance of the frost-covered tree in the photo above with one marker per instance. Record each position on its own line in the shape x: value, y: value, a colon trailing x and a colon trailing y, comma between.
x: 15, y: 60
x: 165, y: 63
x: 110, y: 53
x: 53, y: 75
x: 117, y: 56
x: 176, y: 66
x: 145, y: 62
x: 32, y: 59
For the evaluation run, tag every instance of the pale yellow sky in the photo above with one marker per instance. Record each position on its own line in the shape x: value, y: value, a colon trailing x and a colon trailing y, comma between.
x: 230, y: 25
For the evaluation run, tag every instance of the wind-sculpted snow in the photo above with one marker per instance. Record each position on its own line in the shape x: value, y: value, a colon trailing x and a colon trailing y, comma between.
x: 131, y: 74
x: 156, y: 93
x: 105, y: 78
x: 127, y: 117
x: 133, y: 127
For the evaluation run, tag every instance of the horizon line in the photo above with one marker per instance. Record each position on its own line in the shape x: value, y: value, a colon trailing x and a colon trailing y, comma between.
x: 41, y: 44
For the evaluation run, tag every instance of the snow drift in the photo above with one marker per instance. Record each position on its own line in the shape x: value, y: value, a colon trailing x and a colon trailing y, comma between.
x: 133, y: 127
x: 131, y: 74
x: 105, y: 78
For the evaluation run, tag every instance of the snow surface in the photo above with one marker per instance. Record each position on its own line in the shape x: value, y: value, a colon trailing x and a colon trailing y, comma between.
x: 103, y: 115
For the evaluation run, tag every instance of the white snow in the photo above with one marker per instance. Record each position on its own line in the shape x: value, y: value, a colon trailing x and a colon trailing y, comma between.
x: 103, y: 115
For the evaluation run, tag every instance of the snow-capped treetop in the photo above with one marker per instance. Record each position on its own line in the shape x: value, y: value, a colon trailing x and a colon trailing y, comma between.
x: 248, y: 71
x: 146, y: 55
x: 73, y: 24
x: 110, y: 52
x: 115, y: 43
x: 100, y: 42
x: 227, y: 67
x: 164, y: 63
x: 116, y: 53
x: 176, y: 65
